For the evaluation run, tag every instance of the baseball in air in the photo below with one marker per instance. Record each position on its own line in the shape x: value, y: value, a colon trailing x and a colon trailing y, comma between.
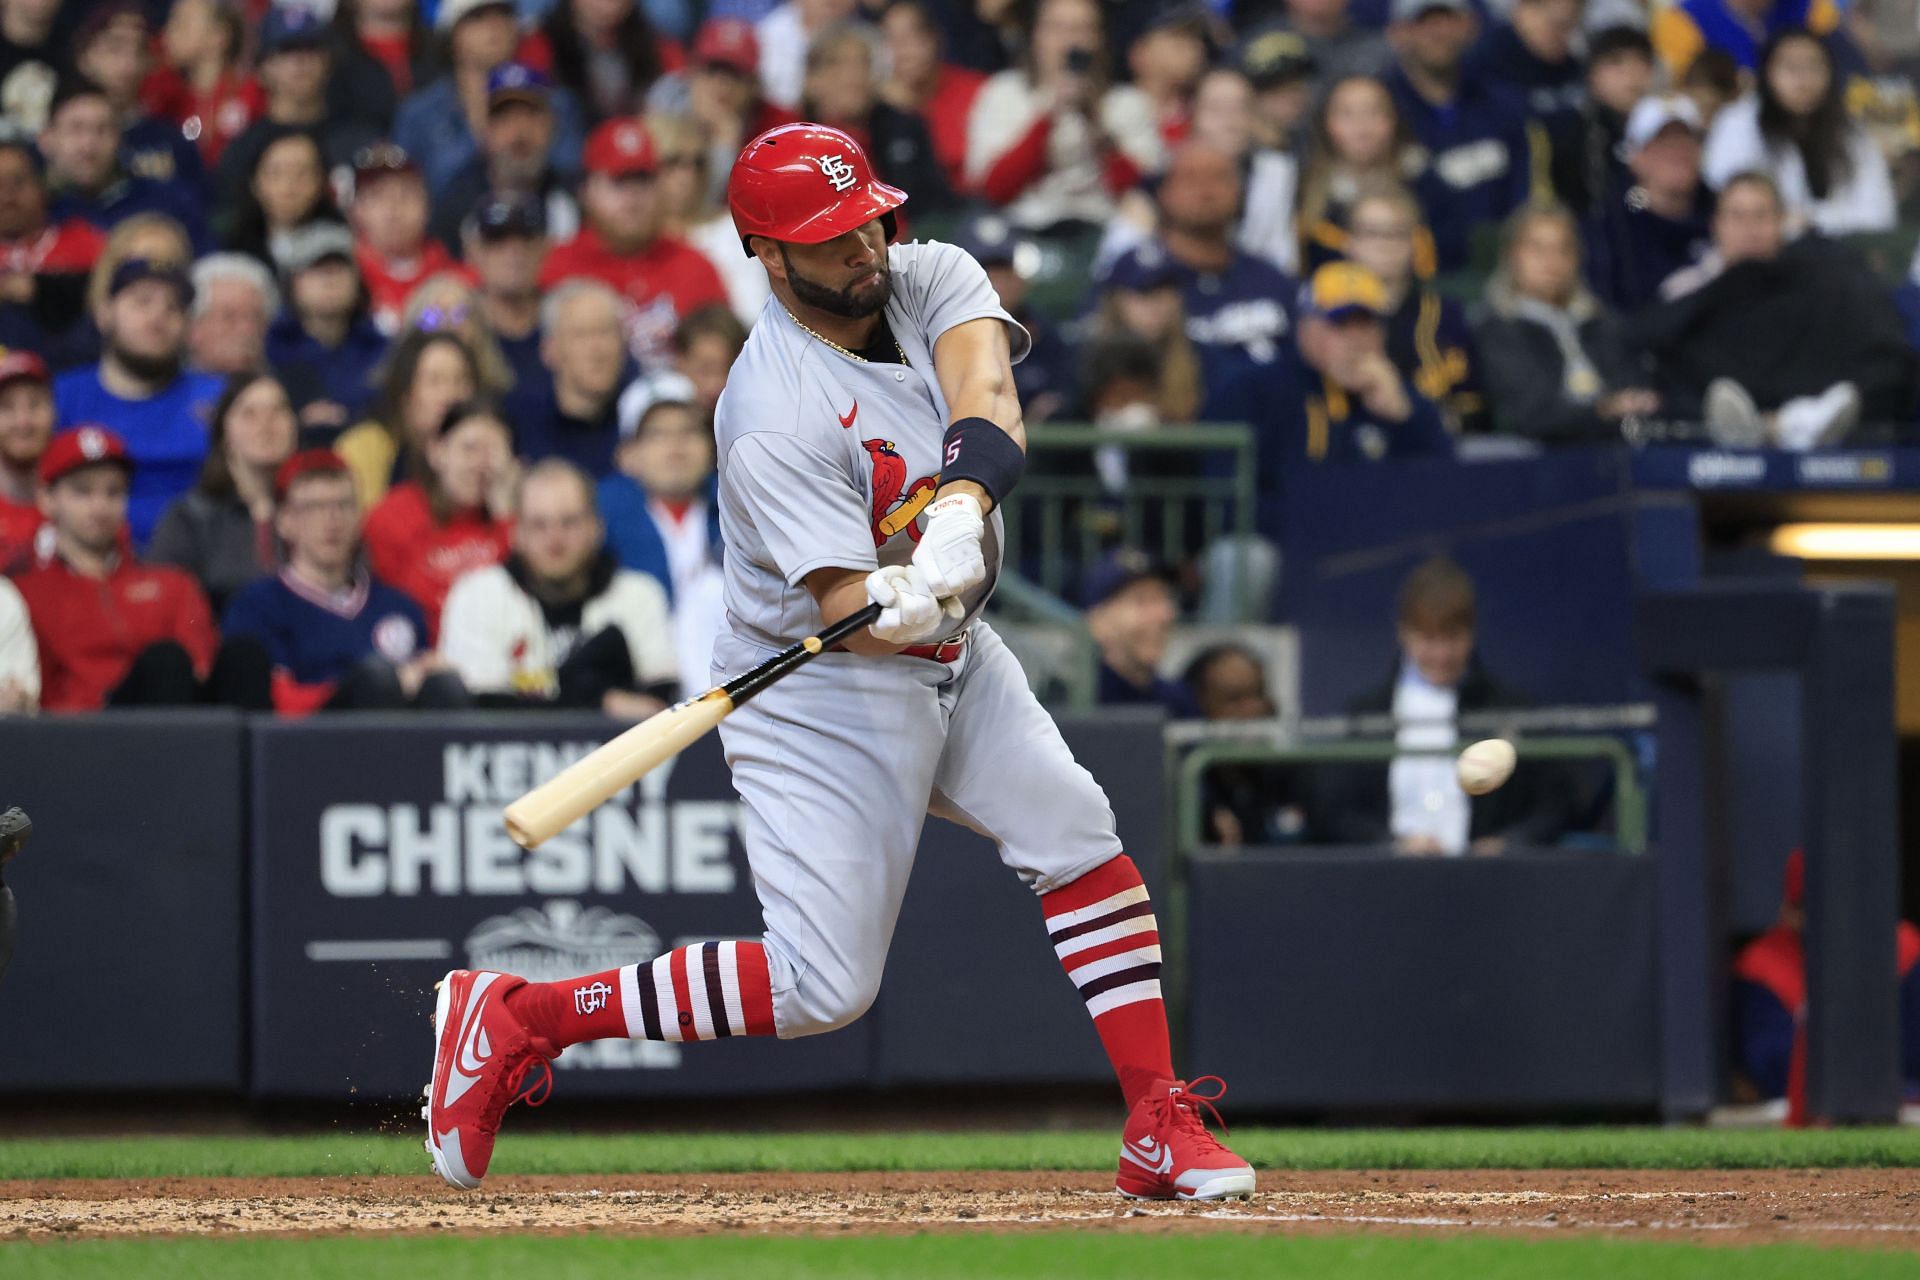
x: 1484, y: 766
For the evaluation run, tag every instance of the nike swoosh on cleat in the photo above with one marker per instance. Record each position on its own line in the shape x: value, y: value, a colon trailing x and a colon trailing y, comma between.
x: 846, y: 419
x: 1146, y: 1160
x: 466, y: 1065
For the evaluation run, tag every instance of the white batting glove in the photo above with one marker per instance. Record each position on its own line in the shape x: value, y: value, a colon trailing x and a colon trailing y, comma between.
x: 909, y: 613
x: 949, y: 552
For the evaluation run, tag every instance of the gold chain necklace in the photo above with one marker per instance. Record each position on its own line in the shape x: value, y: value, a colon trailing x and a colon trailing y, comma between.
x: 851, y: 355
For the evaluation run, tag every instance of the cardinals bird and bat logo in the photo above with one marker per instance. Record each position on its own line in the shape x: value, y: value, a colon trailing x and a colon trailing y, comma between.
x: 896, y: 503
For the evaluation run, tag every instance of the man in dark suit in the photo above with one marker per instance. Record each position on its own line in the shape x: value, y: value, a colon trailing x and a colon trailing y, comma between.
x: 1415, y: 803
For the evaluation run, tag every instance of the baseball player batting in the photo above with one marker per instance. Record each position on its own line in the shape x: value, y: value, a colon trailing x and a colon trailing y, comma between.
x: 866, y: 437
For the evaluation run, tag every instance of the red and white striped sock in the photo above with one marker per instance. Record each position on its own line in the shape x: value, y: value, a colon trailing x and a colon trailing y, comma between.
x: 700, y: 992
x: 1103, y: 930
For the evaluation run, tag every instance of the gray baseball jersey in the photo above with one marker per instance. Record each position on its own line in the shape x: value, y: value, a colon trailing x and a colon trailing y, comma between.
x: 827, y: 460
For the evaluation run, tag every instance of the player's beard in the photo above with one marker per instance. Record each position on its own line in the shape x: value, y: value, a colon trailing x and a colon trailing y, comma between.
x: 840, y: 302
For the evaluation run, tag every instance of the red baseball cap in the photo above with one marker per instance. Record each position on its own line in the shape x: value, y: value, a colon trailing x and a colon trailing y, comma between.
x: 15, y: 365
x: 620, y: 148
x: 307, y: 462
x: 729, y: 42
x: 85, y: 446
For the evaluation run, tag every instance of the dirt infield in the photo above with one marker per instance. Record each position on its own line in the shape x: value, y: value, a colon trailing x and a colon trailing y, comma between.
x: 1853, y: 1207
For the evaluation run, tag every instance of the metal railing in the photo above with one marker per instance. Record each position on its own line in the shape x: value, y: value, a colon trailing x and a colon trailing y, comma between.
x: 1629, y: 797
x: 1066, y: 513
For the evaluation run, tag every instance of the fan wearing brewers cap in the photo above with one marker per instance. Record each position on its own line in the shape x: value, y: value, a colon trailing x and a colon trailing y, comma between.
x: 26, y: 425
x: 506, y: 246
x: 389, y: 219
x: 1339, y: 399
x: 515, y: 160
x: 435, y: 123
x: 113, y: 631
x: 1334, y: 45
x: 141, y: 389
x: 623, y: 245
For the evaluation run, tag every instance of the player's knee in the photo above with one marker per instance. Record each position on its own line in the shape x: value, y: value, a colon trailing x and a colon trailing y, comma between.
x: 818, y: 1006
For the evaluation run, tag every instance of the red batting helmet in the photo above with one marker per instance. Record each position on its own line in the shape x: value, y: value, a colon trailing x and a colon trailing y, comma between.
x: 806, y: 183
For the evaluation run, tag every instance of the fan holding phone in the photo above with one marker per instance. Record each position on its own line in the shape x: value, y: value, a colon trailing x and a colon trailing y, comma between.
x: 1053, y: 141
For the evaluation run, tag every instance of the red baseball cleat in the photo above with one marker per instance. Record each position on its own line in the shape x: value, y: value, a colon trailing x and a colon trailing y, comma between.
x: 484, y: 1061
x: 1166, y: 1152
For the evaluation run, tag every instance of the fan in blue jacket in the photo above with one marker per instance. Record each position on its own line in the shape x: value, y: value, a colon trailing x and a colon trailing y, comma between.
x: 1339, y: 399
x: 659, y: 505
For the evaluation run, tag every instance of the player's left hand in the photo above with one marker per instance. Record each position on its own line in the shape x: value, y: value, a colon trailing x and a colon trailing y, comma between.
x: 949, y: 552
x: 909, y: 613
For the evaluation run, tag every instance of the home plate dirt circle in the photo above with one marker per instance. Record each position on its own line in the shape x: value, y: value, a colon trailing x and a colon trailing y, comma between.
x: 1854, y: 1207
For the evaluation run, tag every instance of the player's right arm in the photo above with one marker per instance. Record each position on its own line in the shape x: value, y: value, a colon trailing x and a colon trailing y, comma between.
x: 840, y: 592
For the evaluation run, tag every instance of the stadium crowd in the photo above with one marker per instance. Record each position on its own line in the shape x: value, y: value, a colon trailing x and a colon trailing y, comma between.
x: 362, y: 353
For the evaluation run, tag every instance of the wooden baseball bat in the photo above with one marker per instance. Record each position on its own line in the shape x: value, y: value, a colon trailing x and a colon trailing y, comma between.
x: 594, y: 778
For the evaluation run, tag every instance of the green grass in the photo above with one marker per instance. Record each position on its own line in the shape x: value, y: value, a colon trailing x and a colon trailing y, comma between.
x: 1077, y: 1256
x: 591, y: 1153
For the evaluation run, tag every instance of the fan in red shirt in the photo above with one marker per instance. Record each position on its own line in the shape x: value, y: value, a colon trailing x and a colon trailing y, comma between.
x: 197, y: 82
x: 111, y: 630
x: 622, y: 245
x: 389, y: 217
x: 940, y: 93
x: 424, y: 534
x: 26, y: 424
x: 43, y: 267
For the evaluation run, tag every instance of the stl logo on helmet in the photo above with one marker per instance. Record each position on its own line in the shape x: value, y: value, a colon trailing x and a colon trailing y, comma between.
x: 837, y: 171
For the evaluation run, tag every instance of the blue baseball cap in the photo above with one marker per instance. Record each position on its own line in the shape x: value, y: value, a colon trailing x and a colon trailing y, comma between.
x: 992, y: 240
x: 1118, y: 570
x: 500, y: 217
x: 291, y: 26
x: 135, y: 270
x: 1143, y: 268
x: 517, y: 82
